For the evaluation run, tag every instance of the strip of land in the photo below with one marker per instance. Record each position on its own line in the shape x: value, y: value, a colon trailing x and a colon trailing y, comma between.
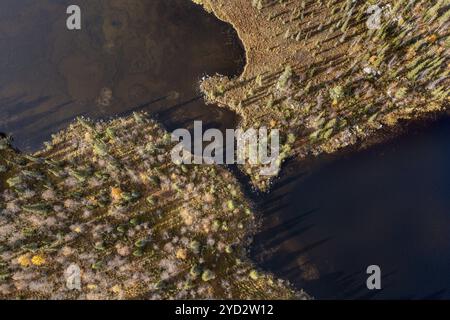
x: 329, y: 74
x: 103, y: 213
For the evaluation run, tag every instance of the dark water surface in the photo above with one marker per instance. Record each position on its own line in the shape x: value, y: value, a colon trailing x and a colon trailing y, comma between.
x: 386, y: 206
x: 130, y: 55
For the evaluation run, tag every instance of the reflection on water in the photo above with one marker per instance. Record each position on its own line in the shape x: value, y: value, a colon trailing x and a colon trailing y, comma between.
x: 387, y: 206
x: 129, y: 55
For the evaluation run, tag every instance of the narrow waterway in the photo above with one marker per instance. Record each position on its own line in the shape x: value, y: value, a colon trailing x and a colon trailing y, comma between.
x: 129, y: 55
x: 389, y: 206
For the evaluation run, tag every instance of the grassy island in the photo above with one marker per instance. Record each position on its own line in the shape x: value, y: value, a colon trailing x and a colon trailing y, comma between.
x: 334, y: 73
x: 106, y: 198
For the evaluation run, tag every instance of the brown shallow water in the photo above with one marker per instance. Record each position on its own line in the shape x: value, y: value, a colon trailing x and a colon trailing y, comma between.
x: 130, y: 55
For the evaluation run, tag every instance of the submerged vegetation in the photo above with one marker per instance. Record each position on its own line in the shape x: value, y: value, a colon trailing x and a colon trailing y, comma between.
x: 332, y: 73
x: 106, y: 198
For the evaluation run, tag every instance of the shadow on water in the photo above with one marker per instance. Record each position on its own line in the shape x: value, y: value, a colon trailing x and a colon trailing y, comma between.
x: 129, y: 56
x: 326, y: 222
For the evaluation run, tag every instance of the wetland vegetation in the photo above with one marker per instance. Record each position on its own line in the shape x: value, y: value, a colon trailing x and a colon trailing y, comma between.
x: 319, y: 71
x: 104, y: 195
x: 106, y: 198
